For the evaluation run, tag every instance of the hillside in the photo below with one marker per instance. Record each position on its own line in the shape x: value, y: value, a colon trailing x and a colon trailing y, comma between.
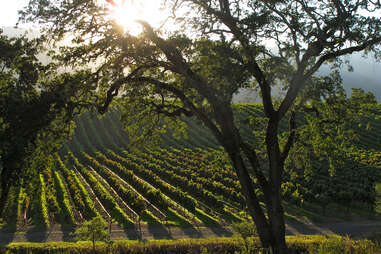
x: 185, y: 182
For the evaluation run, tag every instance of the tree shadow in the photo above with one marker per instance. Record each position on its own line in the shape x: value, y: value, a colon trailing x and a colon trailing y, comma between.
x: 221, y: 231
x: 212, y: 224
x: 206, y: 219
x: 8, y: 224
x: 159, y: 231
x: 7, y: 234
x: 304, y: 229
x: 132, y: 232
x: 230, y: 217
x: 351, y: 229
x: 175, y: 217
x: 37, y: 234
x: 67, y: 232
x: 189, y: 232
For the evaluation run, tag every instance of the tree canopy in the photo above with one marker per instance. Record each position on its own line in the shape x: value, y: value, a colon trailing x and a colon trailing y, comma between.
x: 93, y: 230
x: 37, y: 106
x: 218, y: 48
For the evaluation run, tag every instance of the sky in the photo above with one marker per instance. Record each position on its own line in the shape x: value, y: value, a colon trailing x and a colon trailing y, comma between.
x: 9, y: 14
x: 8, y: 11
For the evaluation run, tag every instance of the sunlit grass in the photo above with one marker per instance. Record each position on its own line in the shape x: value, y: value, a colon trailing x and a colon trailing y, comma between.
x: 312, y: 244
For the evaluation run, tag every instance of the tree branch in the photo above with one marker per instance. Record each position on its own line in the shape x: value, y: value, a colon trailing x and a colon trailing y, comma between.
x: 342, y: 52
x: 252, y: 64
x: 253, y: 158
x: 301, y: 78
x: 291, y: 137
x: 197, y: 111
x: 114, y: 89
x: 176, y: 111
x: 179, y: 64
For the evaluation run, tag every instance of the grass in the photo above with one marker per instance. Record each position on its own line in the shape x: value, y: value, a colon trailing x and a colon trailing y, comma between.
x: 313, y: 244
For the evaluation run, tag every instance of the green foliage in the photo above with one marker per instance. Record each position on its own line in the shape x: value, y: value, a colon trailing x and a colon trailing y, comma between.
x: 23, y: 203
x: 78, y: 192
x: 332, y: 244
x: 43, y: 202
x: 11, y: 209
x: 66, y: 214
x: 51, y: 195
x: 133, y: 200
x: 152, y: 194
x: 39, y: 205
x: 245, y: 230
x: 344, y: 245
x: 93, y: 230
x: 105, y: 197
x: 36, y: 109
x: 327, y: 160
x: 351, y: 185
x: 331, y: 118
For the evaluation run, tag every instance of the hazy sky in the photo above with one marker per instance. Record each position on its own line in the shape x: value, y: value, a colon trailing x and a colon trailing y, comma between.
x: 8, y: 11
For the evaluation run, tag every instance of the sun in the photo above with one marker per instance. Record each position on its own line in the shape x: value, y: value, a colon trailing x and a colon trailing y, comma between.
x: 128, y: 12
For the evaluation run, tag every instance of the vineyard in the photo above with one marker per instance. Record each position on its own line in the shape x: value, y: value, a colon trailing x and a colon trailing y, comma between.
x: 186, y: 182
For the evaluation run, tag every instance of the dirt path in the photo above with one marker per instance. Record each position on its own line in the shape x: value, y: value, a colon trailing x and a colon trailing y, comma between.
x: 146, y: 232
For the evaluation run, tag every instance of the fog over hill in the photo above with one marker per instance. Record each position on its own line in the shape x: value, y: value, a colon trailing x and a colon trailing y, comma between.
x: 366, y: 74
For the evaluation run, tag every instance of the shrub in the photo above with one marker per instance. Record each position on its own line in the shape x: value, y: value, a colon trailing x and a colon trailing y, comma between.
x: 94, y: 230
x: 245, y: 230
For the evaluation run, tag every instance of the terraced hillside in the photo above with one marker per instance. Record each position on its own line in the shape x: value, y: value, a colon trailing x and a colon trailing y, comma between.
x: 185, y: 182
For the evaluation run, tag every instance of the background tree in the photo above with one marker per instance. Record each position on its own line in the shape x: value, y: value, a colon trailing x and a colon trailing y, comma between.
x: 36, y: 110
x: 93, y: 230
x: 225, y: 45
x: 245, y: 230
x: 322, y: 158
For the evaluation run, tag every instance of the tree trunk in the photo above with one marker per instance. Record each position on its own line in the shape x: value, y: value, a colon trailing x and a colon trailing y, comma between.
x: 93, y: 239
x: 274, y: 207
x: 254, y: 208
x: 271, y: 231
x: 276, y: 218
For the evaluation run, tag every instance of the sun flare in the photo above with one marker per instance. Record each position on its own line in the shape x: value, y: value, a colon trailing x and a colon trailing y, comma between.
x: 128, y: 12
